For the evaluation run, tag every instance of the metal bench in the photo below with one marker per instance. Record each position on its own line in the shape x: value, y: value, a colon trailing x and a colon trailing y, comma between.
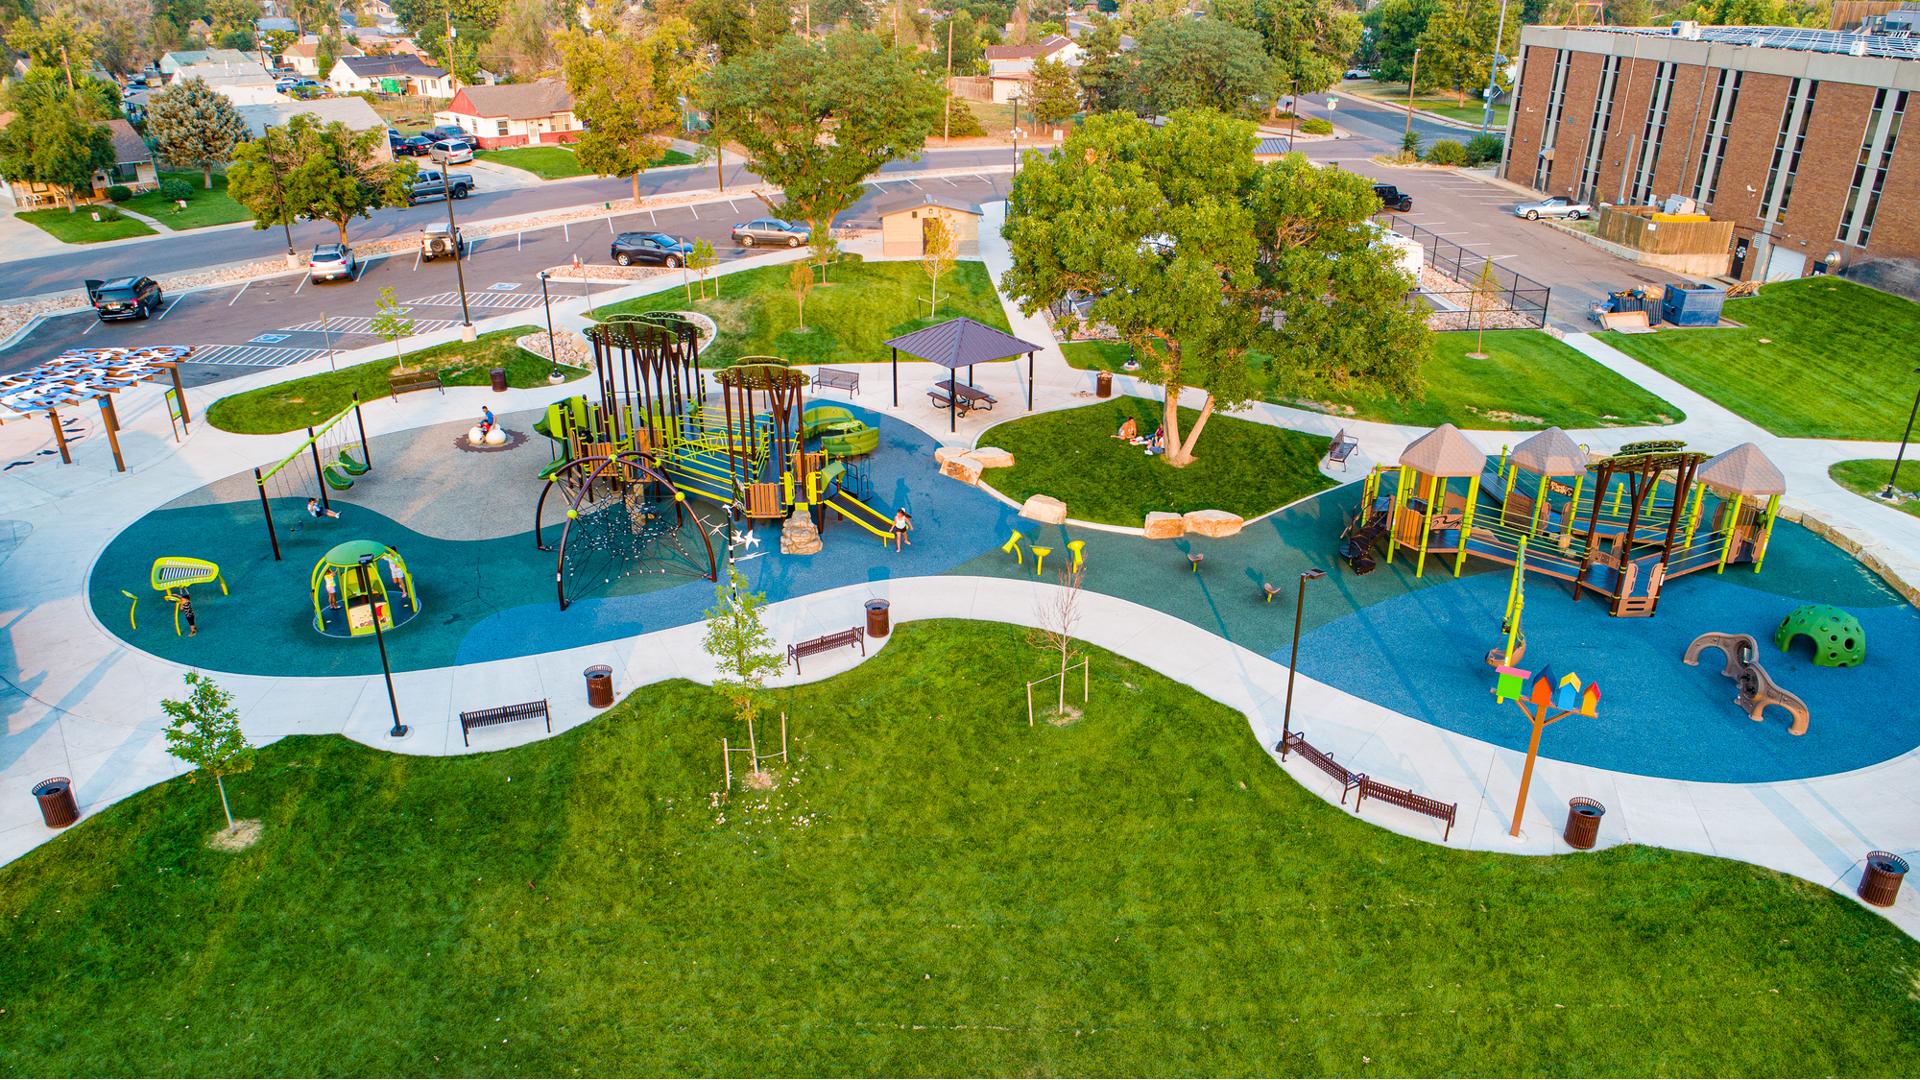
x: 505, y: 714
x: 837, y: 379
x: 1341, y: 449
x: 1407, y: 800
x: 407, y: 384
x: 844, y: 639
x: 1296, y: 743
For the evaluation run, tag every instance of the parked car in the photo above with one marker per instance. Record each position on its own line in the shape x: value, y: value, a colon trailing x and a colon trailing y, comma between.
x: 125, y: 297
x: 434, y: 184
x: 412, y: 146
x: 650, y: 249
x: 1557, y: 206
x: 439, y: 239
x: 769, y: 230
x: 452, y: 151
x: 1393, y: 198
x: 285, y: 84
x: 446, y: 131
x: 1357, y: 73
x: 330, y: 262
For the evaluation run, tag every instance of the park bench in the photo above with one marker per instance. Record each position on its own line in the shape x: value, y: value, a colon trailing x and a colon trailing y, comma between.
x: 845, y: 639
x: 419, y: 380
x: 505, y: 714
x: 837, y: 379
x: 1407, y: 800
x: 1341, y: 449
x: 1296, y: 743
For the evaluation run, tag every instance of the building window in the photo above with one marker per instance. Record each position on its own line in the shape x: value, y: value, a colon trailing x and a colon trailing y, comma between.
x: 1653, y: 134
x: 1787, y: 148
x: 1597, y: 133
x: 1556, y: 94
x: 500, y: 128
x: 1870, y: 171
x: 1713, y: 148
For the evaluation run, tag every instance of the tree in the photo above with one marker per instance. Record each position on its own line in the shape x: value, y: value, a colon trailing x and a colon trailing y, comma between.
x: 1057, y: 615
x: 1458, y: 46
x: 1054, y: 96
x: 822, y: 249
x: 772, y: 23
x: 874, y: 100
x: 58, y: 41
x: 260, y: 179
x: 800, y: 280
x: 726, y: 26
x: 939, y: 247
x: 234, y: 20
x: 1106, y: 73
x: 52, y: 139
x: 203, y: 730
x: 523, y: 42
x: 626, y: 90
x: 1201, y: 64
x: 1151, y: 220
x: 968, y: 50
x: 276, y: 42
x: 1310, y: 41
x: 700, y: 260
x: 341, y: 174
x: 1394, y: 29
x: 195, y: 126
x: 742, y: 648
x: 1482, y: 300
x: 1017, y: 25
x: 473, y: 23
x: 391, y: 322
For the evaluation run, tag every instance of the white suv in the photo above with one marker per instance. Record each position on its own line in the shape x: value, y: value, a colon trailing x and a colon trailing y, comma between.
x: 452, y: 151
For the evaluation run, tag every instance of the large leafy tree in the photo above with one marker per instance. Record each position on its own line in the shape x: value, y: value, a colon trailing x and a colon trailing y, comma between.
x: 1458, y: 46
x: 726, y: 26
x: 1310, y: 41
x: 57, y: 42
x: 1395, y: 28
x: 1055, y: 95
x: 627, y: 90
x: 1106, y: 73
x: 261, y: 179
x: 56, y: 135
x: 340, y: 175
x: 193, y: 125
x: 872, y: 103
x: 473, y: 23
x: 1184, y: 63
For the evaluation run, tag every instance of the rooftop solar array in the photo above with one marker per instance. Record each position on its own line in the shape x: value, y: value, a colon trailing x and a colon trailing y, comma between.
x: 1797, y: 39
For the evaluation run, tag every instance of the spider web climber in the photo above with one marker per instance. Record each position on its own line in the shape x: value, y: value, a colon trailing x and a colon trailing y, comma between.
x: 622, y: 517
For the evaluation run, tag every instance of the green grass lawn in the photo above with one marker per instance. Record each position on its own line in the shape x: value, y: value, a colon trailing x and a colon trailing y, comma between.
x: 78, y: 227
x: 206, y: 207
x: 933, y: 887
x: 289, y: 406
x: 1440, y: 104
x: 1820, y: 357
x: 1527, y: 381
x: 558, y: 162
x: 861, y: 305
x: 1239, y: 466
x: 1868, y: 476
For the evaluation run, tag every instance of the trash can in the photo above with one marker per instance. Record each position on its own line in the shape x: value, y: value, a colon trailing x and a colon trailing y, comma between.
x: 1583, y: 822
x: 1103, y: 385
x: 599, y: 686
x: 877, y: 619
x: 1881, y: 882
x: 499, y: 377
x: 59, y: 810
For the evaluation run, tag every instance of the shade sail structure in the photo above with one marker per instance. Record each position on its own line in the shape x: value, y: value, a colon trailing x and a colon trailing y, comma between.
x: 79, y: 376
x: 961, y: 343
x: 1743, y: 470
x: 1444, y: 452
x: 1550, y: 453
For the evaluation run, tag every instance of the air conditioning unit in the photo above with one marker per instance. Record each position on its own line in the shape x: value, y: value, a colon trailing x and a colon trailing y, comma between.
x: 1686, y: 28
x: 1857, y: 47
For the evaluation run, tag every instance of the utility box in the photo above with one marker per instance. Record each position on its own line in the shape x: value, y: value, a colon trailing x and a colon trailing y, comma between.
x: 1693, y: 305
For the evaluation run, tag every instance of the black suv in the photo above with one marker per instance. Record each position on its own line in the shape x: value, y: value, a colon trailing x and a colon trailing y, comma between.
x: 1393, y: 198
x: 650, y: 249
x: 124, y: 298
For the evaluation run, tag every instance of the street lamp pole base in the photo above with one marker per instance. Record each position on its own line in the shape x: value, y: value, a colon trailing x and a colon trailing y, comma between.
x: 468, y: 333
x: 399, y: 732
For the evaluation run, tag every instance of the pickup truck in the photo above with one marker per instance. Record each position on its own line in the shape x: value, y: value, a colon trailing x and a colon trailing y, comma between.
x: 434, y: 184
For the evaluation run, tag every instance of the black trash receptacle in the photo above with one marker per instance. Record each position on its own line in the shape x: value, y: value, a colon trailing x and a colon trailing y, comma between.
x: 499, y: 378
x: 1880, y: 884
x: 878, y: 620
x: 1583, y: 822
x: 599, y: 686
x: 57, y: 806
x: 1103, y: 384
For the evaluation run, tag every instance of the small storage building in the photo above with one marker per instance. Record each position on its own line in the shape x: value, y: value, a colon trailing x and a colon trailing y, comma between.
x: 904, y: 217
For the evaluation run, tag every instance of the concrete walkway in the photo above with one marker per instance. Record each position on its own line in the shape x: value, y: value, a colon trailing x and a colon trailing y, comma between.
x: 83, y: 704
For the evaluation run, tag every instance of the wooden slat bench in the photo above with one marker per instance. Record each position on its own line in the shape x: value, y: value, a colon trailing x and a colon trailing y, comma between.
x: 1296, y: 743
x: 1407, y: 800
x: 1341, y: 449
x: 407, y: 384
x: 845, y: 639
x: 505, y: 714
x: 837, y: 379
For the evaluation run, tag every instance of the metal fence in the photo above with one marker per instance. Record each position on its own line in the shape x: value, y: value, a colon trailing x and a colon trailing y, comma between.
x: 1521, y: 296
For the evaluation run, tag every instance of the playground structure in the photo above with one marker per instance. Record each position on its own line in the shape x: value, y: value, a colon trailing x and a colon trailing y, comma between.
x: 329, y: 450
x: 171, y: 577
x: 623, y: 515
x: 1619, y: 526
x: 1837, y: 637
x: 1757, y: 690
x: 358, y: 584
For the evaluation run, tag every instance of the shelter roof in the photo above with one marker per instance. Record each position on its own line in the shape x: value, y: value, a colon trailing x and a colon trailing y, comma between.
x: 1444, y: 452
x: 962, y: 342
x: 1550, y: 453
x: 1743, y: 470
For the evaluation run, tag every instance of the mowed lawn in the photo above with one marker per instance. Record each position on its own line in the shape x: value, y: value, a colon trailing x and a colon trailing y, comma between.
x: 1868, y: 476
x: 78, y: 226
x: 1239, y: 466
x: 860, y: 306
x: 559, y: 163
x: 204, y: 207
x: 1820, y: 357
x: 933, y: 888
x: 1528, y: 380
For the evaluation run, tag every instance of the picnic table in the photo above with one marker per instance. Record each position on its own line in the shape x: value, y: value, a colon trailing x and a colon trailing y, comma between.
x: 961, y: 396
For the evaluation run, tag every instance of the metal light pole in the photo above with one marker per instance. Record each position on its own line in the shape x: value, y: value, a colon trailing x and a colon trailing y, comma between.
x: 1904, y: 436
x: 366, y: 589
x: 1299, y: 608
x: 1493, y: 70
x: 459, y: 272
x: 1413, y: 80
x: 1016, y: 132
x: 1293, y: 113
x: 553, y: 351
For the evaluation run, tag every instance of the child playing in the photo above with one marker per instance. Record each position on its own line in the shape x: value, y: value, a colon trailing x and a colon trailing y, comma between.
x: 902, y: 525
x: 486, y: 421
x: 314, y: 509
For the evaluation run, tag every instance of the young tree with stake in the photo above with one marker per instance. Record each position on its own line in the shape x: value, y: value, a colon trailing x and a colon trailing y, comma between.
x: 740, y: 644
x: 204, y: 731
x: 800, y: 280
x: 1058, y: 615
x: 391, y: 322
x: 700, y: 260
x: 940, y: 247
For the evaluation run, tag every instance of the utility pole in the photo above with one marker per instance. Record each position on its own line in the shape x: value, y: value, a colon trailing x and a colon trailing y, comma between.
x: 1493, y: 71
x: 448, y: 11
x: 1413, y: 80
x: 946, y: 130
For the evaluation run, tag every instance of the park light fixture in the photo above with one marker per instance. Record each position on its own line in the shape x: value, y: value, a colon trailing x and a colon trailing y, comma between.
x: 1892, y: 491
x: 1293, y: 661
x: 393, y: 701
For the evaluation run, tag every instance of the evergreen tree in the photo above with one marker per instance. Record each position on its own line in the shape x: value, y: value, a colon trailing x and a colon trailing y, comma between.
x: 1055, y: 94
x: 195, y: 126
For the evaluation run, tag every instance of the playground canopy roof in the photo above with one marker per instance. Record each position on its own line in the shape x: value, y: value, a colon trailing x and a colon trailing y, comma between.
x: 1550, y: 453
x: 1743, y: 470
x: 1444, y: 452
x: 961, y: 342
x: 82, y: 375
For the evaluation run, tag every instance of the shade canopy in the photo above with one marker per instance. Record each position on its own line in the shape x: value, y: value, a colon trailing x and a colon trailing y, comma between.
x: 1550, y: 453
x: 962, y: 342
x: 1444, y: 452
x: 1743, y: 470
x: 350, y: 553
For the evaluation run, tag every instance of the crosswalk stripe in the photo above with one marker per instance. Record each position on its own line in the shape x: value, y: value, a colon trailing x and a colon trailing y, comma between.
x: 261, y: 356
x: 504, y: 300
x: 341, y: 324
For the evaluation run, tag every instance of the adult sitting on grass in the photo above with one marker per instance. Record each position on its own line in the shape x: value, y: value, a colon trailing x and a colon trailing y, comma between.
x: 1130, y: 431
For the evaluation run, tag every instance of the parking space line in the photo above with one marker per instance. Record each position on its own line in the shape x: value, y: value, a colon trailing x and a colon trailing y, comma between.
x: 301, y: 285
x: 733, y: 206
x: 696, y: 211
x: 653, y: 218
x: 241, y: 293
x: 416, y: 261
x: 916, y: 184
x: 163, y: 311
x: 949, y: 183
x: 90, y: 327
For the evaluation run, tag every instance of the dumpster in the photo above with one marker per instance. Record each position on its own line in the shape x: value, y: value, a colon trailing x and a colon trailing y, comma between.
x: 57, y: 806
x: 599, y: 686
x: 1880, y: 883
x: 878, y: 620
x: 1583, y: 822
x: 1693, y: 305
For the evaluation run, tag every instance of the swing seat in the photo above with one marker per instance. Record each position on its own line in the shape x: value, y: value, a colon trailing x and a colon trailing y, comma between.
x: 350, y: 466
x: 336, y: 479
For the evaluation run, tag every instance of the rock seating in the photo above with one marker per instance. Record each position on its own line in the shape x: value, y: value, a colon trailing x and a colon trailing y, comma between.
x: 1045, y: 509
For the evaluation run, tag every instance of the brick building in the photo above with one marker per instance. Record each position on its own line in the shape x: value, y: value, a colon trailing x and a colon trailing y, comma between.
x: 1793, y: 135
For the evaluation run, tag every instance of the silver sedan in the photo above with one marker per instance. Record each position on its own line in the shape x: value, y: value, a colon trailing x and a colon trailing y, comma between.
x: 1558, y: 206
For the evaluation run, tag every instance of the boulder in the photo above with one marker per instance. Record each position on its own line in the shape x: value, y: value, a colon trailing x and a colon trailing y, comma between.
x: 1165, y: 526
x: 944, y: 454
x: 961, y: 468
x: 1213, y: 523
x: 1045, y: 509
x: 992, y: 457
x: 799, y: 536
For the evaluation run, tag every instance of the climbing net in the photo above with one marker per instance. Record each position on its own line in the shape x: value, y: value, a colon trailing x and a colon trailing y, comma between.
x: 623, y: 517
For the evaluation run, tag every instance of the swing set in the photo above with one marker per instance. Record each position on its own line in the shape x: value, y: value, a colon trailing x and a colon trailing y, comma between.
x: 329, y: 450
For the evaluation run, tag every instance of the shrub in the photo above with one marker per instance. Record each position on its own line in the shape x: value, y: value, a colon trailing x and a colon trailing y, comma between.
x: 119, y: 193
x: 1446, y: 152
x: 1316, y: 125
x: 1410, y: 145
x: 174, y: 189
x: 963, y: 122
x: 1484, y: 148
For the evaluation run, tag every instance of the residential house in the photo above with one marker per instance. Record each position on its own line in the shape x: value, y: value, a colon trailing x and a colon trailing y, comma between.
x: 1010, y: 67
x: 405, y: 74
x: 514, y: 114
x: 243, y: 83
x: 133, y: 164
x: 904, y: 216
x: 303, y: 56
x: 351, y: 111
x: 174, y: 61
